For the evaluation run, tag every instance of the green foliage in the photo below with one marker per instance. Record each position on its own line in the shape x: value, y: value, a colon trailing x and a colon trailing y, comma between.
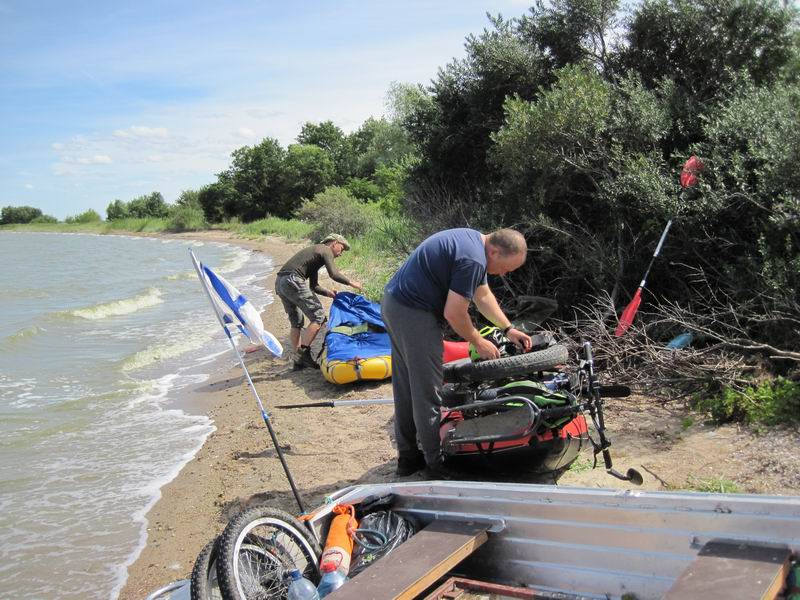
x: 291, y: 229
x: 136, y: 225
x: 338, y: 147
x: 581, y: 466
x: 88, y: 216
x: 149, y: 205
x: 452, y: 129
x: 219, y: 200
x: 379, y: 252
x: 117, y: 210
x: 769, y: 403
x: 570, y: 31
x: 686, y: 423
x: 186, y: 218
x: 363, y: 189
x: 562, y: 130
x: 379, y: 142
x: 335, y: 210
x: 142, y: 207
x: 700, y: 46
x: 189, y: 198
x: 252, y: 187
x: 714, y: 485
x: 307, y: 170
x: 45, y: 219
x: 18, y: 214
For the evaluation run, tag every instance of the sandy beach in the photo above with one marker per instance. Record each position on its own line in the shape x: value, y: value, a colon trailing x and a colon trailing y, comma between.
x: 330, y: 448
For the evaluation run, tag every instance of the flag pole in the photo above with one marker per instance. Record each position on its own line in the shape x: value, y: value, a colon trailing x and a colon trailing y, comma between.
x: 264, y: 414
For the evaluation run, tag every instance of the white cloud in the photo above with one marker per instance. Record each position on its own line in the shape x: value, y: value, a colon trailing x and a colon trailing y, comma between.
x: 97, y: 159
x: 155, y: 158
x: 57, y: 146
x: 29, y: 186
x: 141, y: 131
x: 245, y: 133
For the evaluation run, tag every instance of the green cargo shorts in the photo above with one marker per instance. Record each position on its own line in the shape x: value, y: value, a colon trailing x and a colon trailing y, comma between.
x: 298, y: 300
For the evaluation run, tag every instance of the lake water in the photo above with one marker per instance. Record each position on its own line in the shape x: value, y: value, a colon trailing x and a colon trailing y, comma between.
x: 102, y: 339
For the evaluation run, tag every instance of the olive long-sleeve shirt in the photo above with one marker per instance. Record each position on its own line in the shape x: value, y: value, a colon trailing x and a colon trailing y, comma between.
x: 307, y: 263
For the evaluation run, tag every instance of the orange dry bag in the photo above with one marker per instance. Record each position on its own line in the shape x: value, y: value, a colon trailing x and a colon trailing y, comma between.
x: 339, y: 543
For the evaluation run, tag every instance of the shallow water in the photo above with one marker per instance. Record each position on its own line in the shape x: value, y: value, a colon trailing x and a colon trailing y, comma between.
x: 101, y: 338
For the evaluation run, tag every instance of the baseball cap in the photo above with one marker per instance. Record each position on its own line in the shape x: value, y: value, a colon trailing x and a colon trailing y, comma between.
x: 335, y: 237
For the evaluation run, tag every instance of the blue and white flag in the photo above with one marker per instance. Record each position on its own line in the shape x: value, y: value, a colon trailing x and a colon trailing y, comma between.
x: 234, y: 309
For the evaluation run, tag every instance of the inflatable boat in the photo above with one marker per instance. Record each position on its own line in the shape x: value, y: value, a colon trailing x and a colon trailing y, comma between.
x: 357, y: 346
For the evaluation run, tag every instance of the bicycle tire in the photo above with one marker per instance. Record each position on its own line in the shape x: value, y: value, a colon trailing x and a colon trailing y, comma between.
x: 204, y: 584
x: 257, y: 550
x: 510, y: 366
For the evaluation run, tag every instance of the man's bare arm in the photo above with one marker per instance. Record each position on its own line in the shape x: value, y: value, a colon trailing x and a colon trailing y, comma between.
x: 456, y: 311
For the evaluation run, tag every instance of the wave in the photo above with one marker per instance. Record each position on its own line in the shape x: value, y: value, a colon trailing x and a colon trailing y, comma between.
x: 115, y: 308
x: 154, y: 354
x: 23, y: 334
x: 181, y: 276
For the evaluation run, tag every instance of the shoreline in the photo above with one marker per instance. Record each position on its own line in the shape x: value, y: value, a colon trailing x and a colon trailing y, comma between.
x: 237, y: 466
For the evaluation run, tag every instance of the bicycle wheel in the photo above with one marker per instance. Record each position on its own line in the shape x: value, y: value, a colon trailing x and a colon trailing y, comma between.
x: 510, y: 366
x: 204, y: 574
x: 257, y: 550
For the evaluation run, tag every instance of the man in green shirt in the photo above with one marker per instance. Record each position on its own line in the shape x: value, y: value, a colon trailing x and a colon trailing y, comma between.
x: 297, y: 285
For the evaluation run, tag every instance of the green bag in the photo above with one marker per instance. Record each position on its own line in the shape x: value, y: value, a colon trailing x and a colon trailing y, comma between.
x: 541, y: 396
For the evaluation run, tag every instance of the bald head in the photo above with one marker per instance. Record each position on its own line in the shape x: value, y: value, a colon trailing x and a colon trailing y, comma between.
x: 508, y: 241
x: 506, y: 251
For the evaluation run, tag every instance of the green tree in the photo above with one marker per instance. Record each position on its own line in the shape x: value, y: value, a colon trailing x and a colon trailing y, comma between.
x: 117, y: 210
x: 379, y: 142
x: 453, y: 130
x: 335, y: 143
x: 189, y: 199
x: 18, y: 214
x: 219, y: 200
x: 699, y: 46
x: 87, y: 216
x: 256, y: 174
x: 307, y: 170
x: 147, y: 206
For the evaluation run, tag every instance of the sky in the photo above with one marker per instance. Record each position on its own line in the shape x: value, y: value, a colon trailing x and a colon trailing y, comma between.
x: 105, y: 100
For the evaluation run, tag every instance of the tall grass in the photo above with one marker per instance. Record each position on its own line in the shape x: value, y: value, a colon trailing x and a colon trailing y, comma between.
x: 375, y: 256
x: 291, y: 229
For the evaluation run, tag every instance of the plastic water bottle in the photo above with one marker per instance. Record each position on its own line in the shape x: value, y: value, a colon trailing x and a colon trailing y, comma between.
x: 301, y: 588
x: 332, y: 579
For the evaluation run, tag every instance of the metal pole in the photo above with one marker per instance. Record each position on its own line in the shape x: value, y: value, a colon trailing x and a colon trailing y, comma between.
x: 264, y: 414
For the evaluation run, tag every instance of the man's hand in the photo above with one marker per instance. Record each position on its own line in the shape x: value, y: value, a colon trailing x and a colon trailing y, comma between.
x: 486, y: 349
x: 520, y: 339
x: 356, y: 285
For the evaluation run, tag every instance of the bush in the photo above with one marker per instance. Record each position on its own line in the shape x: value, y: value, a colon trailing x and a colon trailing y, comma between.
x: 89, y: 216
x: 770, y: 403
x: 335, y: 210
x: 45, y: 219
x: 18, y: 214
x: 186, y: 218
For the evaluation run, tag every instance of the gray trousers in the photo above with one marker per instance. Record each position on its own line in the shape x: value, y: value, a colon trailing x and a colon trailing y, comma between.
x: 416, y: 376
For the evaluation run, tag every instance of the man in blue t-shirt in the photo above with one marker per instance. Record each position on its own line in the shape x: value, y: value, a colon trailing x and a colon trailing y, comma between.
x: 437, y: 282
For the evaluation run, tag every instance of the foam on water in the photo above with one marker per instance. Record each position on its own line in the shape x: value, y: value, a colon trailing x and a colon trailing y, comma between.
x: 88, y: 429
x: 116, y: 308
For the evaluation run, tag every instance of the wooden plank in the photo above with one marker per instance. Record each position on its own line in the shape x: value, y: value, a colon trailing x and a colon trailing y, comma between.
x: 730, y: 569
x: 416, y: 564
